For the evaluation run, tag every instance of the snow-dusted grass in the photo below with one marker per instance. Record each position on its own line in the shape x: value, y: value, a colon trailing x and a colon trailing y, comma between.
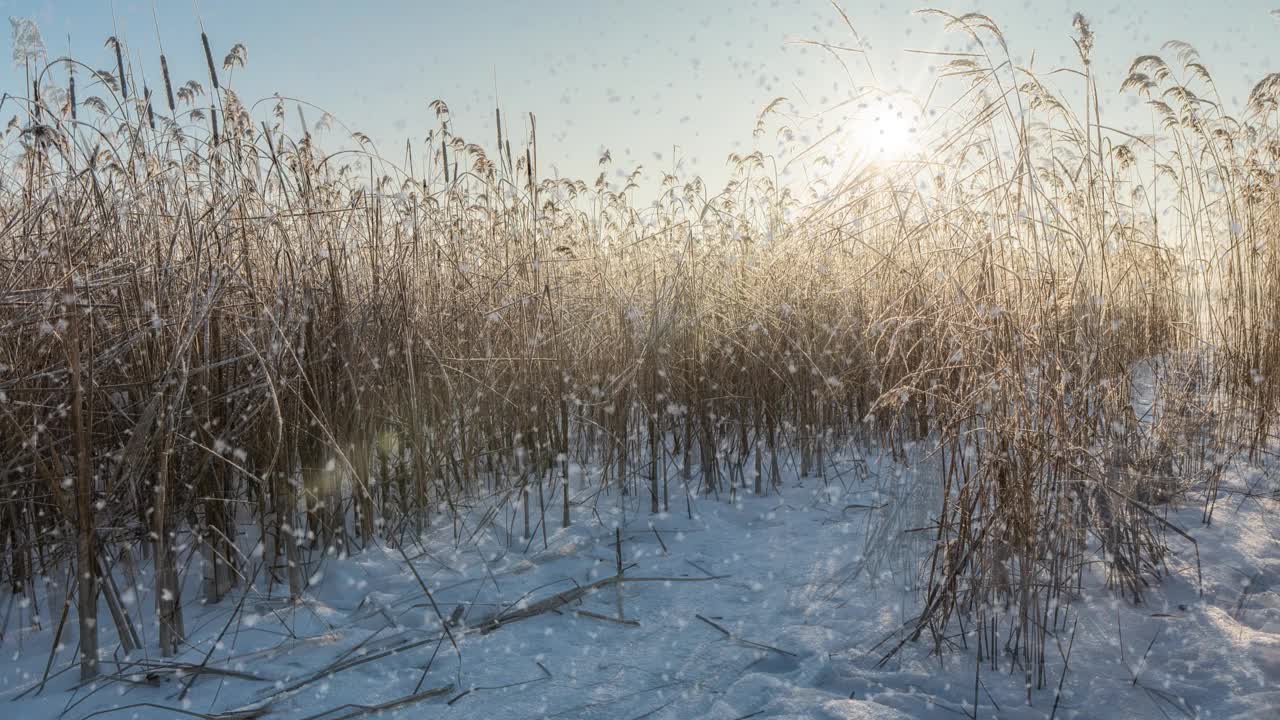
x: 283, y: 396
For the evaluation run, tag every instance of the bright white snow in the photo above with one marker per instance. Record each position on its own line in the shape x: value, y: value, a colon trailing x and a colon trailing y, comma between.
x: 813, y: 579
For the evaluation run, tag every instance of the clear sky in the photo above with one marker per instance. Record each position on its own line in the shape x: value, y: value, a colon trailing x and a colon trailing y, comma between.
x: 634, y: 76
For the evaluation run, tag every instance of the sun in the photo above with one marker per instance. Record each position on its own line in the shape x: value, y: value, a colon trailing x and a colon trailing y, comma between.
x: 885, y: 128
x: 873, y: 132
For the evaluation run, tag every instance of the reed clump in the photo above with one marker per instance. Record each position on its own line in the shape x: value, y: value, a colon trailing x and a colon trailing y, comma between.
x: 215, y: 334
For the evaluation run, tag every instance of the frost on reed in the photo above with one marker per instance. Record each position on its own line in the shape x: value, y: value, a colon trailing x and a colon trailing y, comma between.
x: 213, y: 331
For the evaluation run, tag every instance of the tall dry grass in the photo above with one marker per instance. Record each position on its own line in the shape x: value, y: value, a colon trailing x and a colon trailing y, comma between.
x: 215, y: 332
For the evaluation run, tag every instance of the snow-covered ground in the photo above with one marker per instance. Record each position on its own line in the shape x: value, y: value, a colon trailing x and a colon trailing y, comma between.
x: 760, y: 607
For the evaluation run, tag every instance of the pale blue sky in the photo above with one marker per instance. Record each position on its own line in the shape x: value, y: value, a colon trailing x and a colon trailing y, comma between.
x: 635, y: 76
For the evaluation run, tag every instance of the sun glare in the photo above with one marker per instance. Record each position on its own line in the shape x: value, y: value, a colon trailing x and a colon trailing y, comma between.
x: 873, y: 132
x: 886, y: 129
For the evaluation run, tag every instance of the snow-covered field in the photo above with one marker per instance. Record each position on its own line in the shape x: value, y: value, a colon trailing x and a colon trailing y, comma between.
x: 760, y: 607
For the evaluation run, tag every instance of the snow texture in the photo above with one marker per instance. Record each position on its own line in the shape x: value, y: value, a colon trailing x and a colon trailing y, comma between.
x: 809, y: 580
